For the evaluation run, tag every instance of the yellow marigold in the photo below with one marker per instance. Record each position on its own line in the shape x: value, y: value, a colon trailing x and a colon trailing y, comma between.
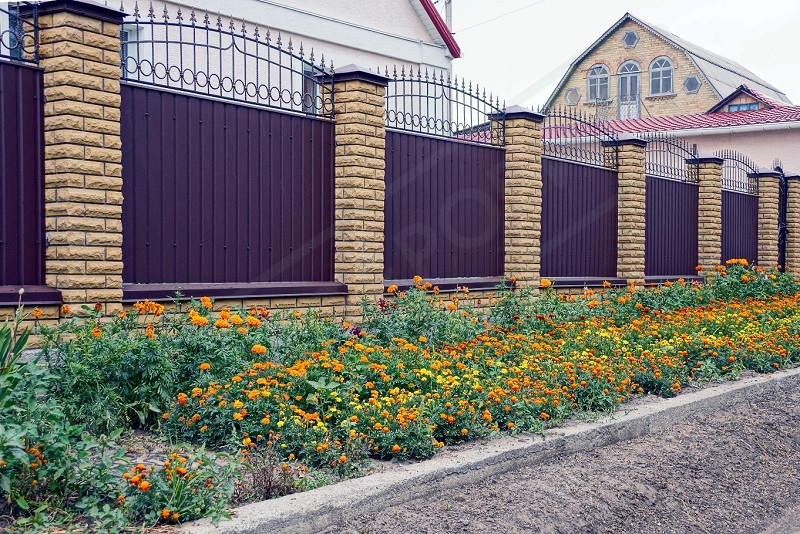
x: 196, y: 392
x: 206, y: 302
x: 545, y: 283
x: 238, y: 404
x: 205, y: 366
x: 238, y: 416
x: 259, y: 349
x: 423, y: 339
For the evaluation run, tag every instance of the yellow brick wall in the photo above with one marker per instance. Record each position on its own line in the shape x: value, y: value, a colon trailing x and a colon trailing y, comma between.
x: 613, y: 54
x: 709, y: 215
x: 631, y: 213
x: 768, y: 193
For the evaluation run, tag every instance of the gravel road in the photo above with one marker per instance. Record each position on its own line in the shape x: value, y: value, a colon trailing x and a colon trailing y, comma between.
x: 737, y: 471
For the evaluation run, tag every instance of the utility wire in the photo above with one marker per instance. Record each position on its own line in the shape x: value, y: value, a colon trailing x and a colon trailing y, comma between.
x: 499, y: 17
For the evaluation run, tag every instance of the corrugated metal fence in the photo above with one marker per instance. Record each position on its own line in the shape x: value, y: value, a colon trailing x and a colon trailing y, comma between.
x: 218, y: 192
x: 579, y: 220
x: 22, y: 237
x: 739, y: 226
x: 670, y: 227
x: 444, y: 208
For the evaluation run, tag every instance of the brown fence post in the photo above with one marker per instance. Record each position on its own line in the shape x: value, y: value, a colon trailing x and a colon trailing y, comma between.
x: 359, y: 103
x: 523, y: 194
x: 768, y: 196
x: 793, y: 221
x: 79, y: 53
x: 709, y: 210
x: 631, y: 200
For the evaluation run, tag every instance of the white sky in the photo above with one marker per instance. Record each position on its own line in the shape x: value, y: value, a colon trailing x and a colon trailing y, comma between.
x: 522, y: 56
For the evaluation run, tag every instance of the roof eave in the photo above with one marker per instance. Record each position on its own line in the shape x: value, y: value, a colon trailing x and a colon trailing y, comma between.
x: 441, y: 27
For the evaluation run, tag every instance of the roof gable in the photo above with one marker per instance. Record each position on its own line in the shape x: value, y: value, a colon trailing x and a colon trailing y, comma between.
x: 436, y: 26
x: 722, y: 74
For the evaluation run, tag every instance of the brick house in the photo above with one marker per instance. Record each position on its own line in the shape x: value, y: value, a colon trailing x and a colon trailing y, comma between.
x: 638, y: 70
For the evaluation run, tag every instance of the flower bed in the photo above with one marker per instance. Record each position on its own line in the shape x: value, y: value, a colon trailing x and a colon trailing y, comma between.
x: 421, y: 371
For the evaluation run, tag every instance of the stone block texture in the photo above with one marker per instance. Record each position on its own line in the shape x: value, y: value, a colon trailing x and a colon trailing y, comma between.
x: 709, y: 215
x: 631, y: 212
x: 80, y: 56
x: 359, y: 191
x: 523, y: 200
x: 768, y: 197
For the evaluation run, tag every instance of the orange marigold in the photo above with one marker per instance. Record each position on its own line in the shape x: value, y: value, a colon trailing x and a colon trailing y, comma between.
x: 259, y: 349
x: 144, y: 485
x: 96, y: 333
x: 64, y: 310
x: 545, y: 283
x: 252, y: 321
x: 205, y: 366
x: 396, y: 448
x: 37, y: 313
x: 206, y: 302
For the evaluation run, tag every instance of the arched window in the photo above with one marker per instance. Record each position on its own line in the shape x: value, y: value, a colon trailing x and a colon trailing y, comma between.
x: 598, y: 83
x: 661, y: 76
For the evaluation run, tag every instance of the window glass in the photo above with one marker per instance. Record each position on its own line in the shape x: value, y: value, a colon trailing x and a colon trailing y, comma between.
x: 598, y: 83
x: 661, y: 76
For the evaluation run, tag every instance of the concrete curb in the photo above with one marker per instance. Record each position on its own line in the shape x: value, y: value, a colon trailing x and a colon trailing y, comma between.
x: 315, y: 510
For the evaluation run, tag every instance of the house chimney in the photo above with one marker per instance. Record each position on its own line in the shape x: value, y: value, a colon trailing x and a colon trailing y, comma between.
x: 448, y: 14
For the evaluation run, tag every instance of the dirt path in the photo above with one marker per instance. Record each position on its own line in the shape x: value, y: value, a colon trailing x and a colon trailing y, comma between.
x: 737, y: 471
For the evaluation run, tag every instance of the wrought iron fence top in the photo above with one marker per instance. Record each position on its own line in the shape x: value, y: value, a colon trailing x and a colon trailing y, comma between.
x: 434, y: 103
x: 667, y: 156
x: 738, y: 172
x: 19, y: 31
x: 204, y: 53
x: 580, y: 137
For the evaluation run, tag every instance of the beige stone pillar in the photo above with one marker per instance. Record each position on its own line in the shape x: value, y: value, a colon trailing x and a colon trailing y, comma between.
x: 359, y: 102
x: 793, y: 223
x: 768, y: 193
x: 631, y: 205
x: 79, y: 53
x: 709, y: 210
x: 523, y: 192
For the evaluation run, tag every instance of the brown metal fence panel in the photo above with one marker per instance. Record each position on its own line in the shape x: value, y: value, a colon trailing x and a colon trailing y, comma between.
x: 221, y: 192
x: 579, y: 220
x: 739, y: 226
x: 670, y: 227
x: 444, y: 208
x: 22, y: 230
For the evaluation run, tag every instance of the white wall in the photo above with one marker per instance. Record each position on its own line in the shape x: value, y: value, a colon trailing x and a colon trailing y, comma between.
x: 762, y: 147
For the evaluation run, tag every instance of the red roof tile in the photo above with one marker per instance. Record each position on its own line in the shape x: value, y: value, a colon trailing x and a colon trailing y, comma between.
x: 705, y: 120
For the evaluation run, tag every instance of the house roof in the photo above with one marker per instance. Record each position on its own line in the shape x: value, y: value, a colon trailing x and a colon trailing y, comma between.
x: 744, y: 90
x: 722, y: 74
x: 436, y: 26
x: 778, y: 114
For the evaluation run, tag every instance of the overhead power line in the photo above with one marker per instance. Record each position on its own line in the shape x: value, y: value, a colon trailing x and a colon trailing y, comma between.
x: 499, y: 16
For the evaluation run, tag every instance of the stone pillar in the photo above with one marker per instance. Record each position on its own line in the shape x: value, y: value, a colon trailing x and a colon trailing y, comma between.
x: 523, y: 192
x: 631, y: 205
x: 793, y: 223
x: 79, y: 53
x: 768, y: 193
x: 709, y: 210
x: 359, y: 102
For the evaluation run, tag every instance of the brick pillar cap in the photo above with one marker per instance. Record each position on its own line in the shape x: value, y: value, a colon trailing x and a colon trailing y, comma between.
x: 630, y: 139
x: 518, y: 112
x: 792, y: 175
x: 87, y: 8
x: 765, y: 172
x: 355, y: 72
x: 706, y: 158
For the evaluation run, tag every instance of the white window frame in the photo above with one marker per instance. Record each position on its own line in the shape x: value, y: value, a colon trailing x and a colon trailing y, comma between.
x: 594, y: 82
x: 657, y: 74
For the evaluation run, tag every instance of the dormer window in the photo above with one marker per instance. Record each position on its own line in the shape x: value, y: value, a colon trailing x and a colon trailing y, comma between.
x: 750, y: 106
x: 630, y: 38
x: 661, y: 76
x: 598, y: 83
